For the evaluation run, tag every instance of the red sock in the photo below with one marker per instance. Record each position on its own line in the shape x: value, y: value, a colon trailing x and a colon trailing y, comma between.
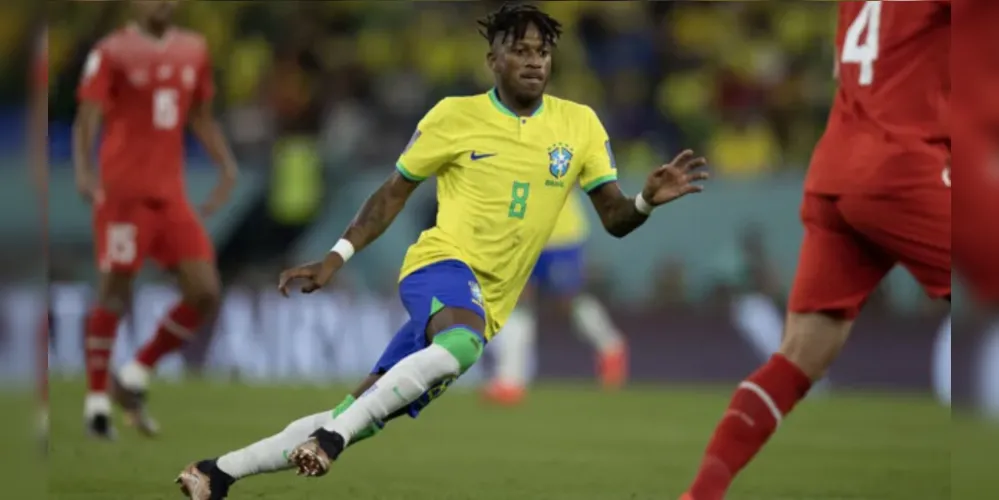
x: 757, y: 407
x: 102, y: 326
x: 176, y: 328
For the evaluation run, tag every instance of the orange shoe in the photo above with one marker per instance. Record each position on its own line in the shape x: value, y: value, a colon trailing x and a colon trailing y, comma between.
x: 612, y: 367
x: 686, y: 496
x: 504, y: 394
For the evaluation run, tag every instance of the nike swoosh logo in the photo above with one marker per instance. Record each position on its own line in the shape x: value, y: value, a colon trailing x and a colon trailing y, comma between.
x: 477, y: 157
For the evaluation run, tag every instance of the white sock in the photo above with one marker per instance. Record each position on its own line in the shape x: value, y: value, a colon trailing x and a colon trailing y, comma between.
x: 593, y: 323
x: 400, y: 386
x: 96, y: 403
x: 759, y: 321
x: 941, y: 364
x: 513, y: 348
x: 134, y: 376
x: 270, y: 454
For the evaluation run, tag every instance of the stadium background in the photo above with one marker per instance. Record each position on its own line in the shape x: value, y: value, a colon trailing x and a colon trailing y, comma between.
x: 319, y: 98
x: 316, y: 113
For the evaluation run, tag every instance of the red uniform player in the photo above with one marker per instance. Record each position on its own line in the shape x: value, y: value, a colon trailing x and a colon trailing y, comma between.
x: 147, y: 81
x: 877, y: 194
x: 975, y: 67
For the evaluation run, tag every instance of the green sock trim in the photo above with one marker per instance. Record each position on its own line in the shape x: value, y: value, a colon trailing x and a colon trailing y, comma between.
x: 463, y: 343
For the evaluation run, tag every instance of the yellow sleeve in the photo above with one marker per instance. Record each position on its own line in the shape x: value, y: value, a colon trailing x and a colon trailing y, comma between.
x: 430, y: 148
x: 599, y: 166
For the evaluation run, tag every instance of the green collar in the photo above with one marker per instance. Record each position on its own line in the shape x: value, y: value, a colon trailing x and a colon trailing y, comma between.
x: 494, y: 97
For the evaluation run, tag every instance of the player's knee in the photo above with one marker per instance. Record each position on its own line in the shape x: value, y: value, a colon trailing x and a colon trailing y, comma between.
x: 812, y: 341
x: 205, y: 296
x: 115, y: 291
x: 463, y: 343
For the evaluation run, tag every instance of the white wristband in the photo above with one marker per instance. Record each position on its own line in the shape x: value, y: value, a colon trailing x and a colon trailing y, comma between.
x: 642, y: 206
x: 345, y: 248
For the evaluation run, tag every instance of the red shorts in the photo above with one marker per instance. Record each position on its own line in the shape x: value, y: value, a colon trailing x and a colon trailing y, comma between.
x: 852, y: 241
x: 169, y: 232
x: 976, y: 238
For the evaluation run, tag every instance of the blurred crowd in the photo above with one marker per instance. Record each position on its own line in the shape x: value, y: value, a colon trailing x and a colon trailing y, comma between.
x: 313, y: 93
x: 747, y: 82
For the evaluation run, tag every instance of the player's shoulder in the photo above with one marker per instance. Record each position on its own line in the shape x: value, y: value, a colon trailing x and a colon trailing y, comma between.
x: 190, y: 39
x: 568, y: 109
x: 456, y: 111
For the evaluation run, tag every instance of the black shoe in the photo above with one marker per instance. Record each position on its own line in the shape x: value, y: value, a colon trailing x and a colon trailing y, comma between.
x: 99, y: 426
x: 204, y: 481
x: 133, y: 403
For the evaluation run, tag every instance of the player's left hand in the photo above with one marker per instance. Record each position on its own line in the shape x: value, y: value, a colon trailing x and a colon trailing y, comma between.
x: 315, y: 275
x: 676, y: 179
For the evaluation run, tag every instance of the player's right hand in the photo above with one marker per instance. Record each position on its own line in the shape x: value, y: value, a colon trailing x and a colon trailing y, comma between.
x: 90, y: 188
x: 314, y: 274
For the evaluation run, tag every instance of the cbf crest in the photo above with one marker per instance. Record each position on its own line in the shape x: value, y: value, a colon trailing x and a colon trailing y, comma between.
x: 559, y: 162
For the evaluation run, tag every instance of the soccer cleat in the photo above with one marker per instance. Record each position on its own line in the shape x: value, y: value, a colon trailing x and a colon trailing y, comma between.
x: 314, y: 457
x: 99, y: 426
x: 133, y: 404
x: 686, y: 496
x: 612, y: 367
x: 504, y: 394
x: 204, y: 481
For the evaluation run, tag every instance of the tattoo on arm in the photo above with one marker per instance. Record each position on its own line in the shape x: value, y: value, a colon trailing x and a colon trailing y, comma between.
x: 378, y: 212
x: 617, y: 211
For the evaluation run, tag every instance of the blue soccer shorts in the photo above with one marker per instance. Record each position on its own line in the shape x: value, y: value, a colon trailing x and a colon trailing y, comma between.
x: 424, y: 292
x: 560, y: 271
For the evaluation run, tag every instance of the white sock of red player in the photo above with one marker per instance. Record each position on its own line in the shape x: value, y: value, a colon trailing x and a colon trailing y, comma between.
x: 942, y: 364
x: 270, y: 454
x: 135, y: 376
x: 514, y: 347
x: 593, y: 323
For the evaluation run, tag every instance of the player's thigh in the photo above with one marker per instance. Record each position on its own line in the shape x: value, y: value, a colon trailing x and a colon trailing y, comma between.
x: 181, y: 236
x: 914, y: 227
x: 837, y: 268
x: 123, y: 235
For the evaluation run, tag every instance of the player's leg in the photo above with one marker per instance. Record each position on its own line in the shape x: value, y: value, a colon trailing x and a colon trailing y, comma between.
x: 425, y: 294
x: 446, y: 298
x: 590, y: 319
x: 121, y: 240
x: 836, y: 273
x: 183, y: 247
x: 513, y: 348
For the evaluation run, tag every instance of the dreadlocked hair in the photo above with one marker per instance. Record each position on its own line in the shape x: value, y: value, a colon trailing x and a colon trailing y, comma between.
x: 512, y: 20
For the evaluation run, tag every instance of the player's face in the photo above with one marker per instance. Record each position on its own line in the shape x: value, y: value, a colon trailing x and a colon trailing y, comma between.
x: 522, y: 65
x: 156, y: 11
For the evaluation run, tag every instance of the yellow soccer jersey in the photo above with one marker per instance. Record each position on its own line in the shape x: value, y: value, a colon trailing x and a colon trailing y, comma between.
x: 502, y: 181
x: 571, y: 228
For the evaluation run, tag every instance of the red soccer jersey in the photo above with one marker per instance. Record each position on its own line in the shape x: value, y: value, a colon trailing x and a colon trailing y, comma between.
x: 888, y: 128
x: 146, y: 87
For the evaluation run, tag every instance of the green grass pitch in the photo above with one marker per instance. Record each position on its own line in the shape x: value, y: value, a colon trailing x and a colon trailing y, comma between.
x: 568, y: 442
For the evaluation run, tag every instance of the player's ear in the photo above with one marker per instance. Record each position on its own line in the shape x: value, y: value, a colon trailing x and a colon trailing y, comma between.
x: 491, y: 60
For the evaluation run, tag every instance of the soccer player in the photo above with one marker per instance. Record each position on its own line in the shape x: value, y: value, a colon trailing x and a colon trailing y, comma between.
x: 559, y: 272
x: 877, y: 194
x: 976, y: 148
x: 146, y: 81
x: 505, y: 162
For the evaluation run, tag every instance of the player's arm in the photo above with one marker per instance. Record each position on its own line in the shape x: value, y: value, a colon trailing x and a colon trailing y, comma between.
x: 621, y: 214
x: 209, y: 133
x: 93, y: 94
x: 428, y: 150
x: 617, y: 211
